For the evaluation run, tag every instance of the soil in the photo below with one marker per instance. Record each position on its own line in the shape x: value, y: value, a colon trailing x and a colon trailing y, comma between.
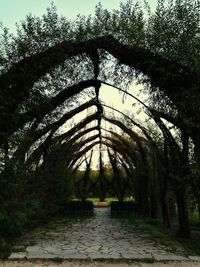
x: 39, y: 263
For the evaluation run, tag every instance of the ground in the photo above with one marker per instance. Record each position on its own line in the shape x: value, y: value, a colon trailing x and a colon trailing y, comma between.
x: 99, y: 237
x: 40, y: 263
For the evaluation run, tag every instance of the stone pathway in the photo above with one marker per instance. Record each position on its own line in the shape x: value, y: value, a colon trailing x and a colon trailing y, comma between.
x: 97, y: 237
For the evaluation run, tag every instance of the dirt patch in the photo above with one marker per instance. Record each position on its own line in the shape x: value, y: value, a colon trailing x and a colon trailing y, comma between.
x: 39, y: 263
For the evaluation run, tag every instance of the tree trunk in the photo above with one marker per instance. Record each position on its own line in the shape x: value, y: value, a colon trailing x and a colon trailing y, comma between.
x: 165, y: 213
x: 145, y: 199
x: 154, y: 198
x: 165, y: 205
x: 184, y: 225
x: 102, y: 198
x: 196, y: 141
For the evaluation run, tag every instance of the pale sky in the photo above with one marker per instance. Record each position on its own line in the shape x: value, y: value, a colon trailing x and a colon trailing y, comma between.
x: 12, y: 11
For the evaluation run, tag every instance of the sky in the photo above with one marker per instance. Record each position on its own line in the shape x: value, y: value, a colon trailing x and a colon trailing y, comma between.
x: 12, y: 11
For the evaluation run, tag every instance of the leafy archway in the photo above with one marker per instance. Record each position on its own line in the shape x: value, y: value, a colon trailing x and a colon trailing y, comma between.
x: 69, y: 63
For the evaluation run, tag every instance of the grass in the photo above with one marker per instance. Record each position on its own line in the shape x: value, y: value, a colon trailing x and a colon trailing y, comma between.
x: 57, y: 260
x: 194, y: 220
x: 96, y: 199
x: 191, y: 246
x: 5, y: 249
x: 108, y: 199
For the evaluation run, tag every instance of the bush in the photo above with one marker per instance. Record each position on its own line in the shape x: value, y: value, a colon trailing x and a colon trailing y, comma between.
x: 123, y: 207
x: 5, y: 249
x: 12, y: 225
x: 79, y: 207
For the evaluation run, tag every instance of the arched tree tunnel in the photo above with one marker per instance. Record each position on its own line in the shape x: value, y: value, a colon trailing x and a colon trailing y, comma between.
x: 42, y: 153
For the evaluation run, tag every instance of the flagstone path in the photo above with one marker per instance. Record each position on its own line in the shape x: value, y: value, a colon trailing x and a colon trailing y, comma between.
x: 98, y: 237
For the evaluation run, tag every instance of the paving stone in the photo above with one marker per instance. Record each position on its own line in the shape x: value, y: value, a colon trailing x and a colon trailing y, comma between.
x: 41, y: 255
x: 17, y: 255
x: 73, y: 256
x: 99, y: 237
x: 53, y: 250
x: 97, y: 256
x: 136, y: 256
x: 19, y: 248
x: 33, y: 248
x: 169, y: 257
x: 194, y: 258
